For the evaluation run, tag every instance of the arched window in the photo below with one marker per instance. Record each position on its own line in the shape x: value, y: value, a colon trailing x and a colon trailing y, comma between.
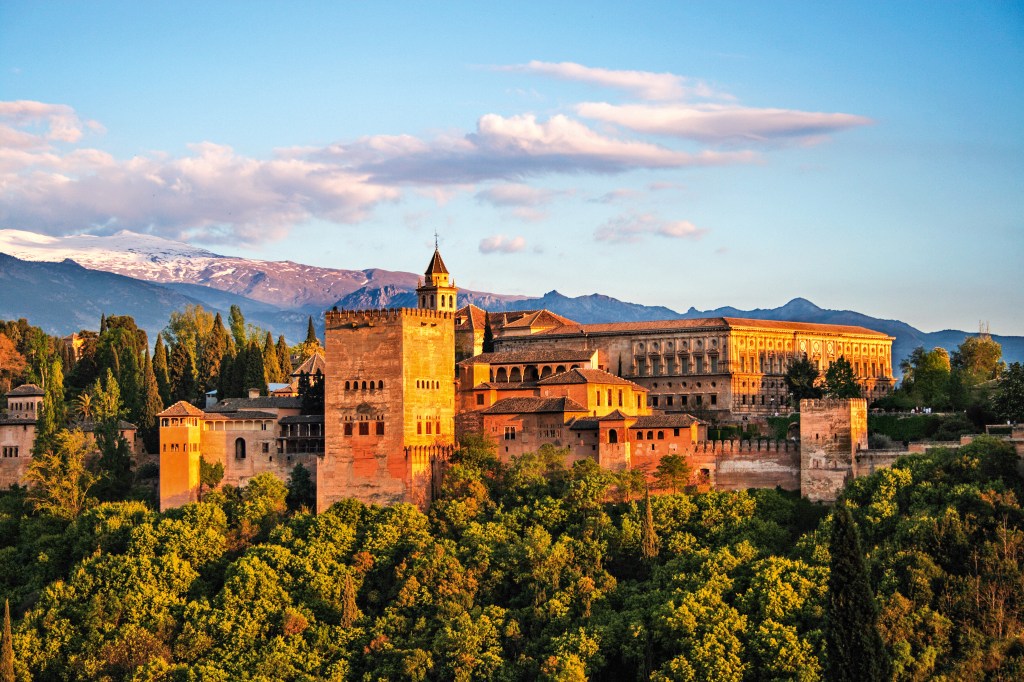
x: 346, y: 386
x: 613, y: 436
x: 650, y: 435
x: 431, y: 300
x: 373, y: 386
x: 423, y: 301
x: 516, y: 376
x: 364, y: 385
x: 239, y: 448
x: 639, y: 435
x: 380, y: 385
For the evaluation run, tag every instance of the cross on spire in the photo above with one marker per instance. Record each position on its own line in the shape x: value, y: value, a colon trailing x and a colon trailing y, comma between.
x: 435, y: 239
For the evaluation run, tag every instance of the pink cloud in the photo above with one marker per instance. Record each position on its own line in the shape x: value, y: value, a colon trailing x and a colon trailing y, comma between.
x: 644, y: 84
x: 635, y: 227
x: 499, y: 243
x: 716, y: 123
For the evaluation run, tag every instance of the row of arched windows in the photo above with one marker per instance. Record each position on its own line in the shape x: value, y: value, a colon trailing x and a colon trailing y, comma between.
x: 423, y: 383
x: 447, y: 301
x: 363, y: 386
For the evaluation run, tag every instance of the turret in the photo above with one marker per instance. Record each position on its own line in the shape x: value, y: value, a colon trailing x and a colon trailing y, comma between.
x: 437, y: 292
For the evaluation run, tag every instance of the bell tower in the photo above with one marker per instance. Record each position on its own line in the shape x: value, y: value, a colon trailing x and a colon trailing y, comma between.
x: 437, y: 292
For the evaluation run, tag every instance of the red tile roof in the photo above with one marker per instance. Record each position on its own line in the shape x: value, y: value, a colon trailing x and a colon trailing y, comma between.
x: 665, y: 421
x: 436, y: 266
x: 709, y: 323
x: 26, y: 390
x: 182, y: 409
x: 534, y: 406
x: 587, y: 376
x: 530, y: 356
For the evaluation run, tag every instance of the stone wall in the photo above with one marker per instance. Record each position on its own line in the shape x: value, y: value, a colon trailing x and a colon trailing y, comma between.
x: 15, y: 438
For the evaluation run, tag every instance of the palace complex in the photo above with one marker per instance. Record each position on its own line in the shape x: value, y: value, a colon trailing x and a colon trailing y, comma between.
x: 401, y: 386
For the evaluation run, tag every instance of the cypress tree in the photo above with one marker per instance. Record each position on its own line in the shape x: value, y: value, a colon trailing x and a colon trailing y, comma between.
x: 853, y: 646
x: 163, y: 379
x: 284, y: 358
x: 213, y: 350
x: 54, y: 412
x: 237, y: 322
x: 183, y: 374
x: 254, y: 373
x: 152, y: 405
x: 311, y: 333
x: 238, y: 372
x: 271, y: 368
x: 488, y: 345
x: 103, y: 323
x: 649, y: 546
x: 131, y: 385
x: 349, y: 609
x: 7, y: 647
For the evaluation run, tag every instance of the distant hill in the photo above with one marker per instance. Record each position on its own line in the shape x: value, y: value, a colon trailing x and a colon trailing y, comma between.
x: 278, y: 295
x: 64, y: 297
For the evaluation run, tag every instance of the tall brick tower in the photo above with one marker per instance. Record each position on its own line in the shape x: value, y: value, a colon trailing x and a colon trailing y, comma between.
x: 389, y: 398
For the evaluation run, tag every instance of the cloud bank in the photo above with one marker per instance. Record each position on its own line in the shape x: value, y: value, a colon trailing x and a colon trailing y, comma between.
x: 499, y: 243
x: 634, y: 227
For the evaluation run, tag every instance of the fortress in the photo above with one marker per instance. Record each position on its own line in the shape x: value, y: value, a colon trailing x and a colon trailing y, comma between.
x: 624, y: 395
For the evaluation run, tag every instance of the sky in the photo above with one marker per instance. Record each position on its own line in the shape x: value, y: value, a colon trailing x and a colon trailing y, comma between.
x: 865, y: 156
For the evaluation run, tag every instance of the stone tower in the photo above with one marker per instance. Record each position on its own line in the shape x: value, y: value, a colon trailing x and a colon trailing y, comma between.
x: 389, y: 398
x: 436, y: 292
x: 832, y: 433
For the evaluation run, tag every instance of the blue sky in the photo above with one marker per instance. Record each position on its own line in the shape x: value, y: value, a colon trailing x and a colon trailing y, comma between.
x: 867, y: 156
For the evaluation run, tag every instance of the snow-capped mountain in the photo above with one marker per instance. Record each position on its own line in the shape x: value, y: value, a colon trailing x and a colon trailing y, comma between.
x: 155, y: 259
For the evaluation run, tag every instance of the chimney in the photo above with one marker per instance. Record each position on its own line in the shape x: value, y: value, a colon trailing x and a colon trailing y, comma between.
x: 254, y: 393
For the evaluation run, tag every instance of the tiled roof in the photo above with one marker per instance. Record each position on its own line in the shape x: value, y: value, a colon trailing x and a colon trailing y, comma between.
x: 534, y: 405
x: 586, y: 376
x: 616, y: 416
x: 530, y: 356
x: 506, y: 385
x: 25, y: 390
x: 584, y: 424
x: 660, y: 326
x: 240, y: 415
x: 436, y: 265
x: 182, y: 409
x: 265, y: 401
x: 537, y: 318
x: 665, y: 421
x: 470, y: 317
x: 313, y: 364
x: 303, y: 419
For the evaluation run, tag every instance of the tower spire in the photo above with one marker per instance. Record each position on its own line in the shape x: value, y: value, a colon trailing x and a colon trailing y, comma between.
x: 435, y: 239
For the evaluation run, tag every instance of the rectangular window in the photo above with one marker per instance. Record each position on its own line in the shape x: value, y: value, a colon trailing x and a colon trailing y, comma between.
x: 654, y: 401
x: 700, y: 400
x: 419, y: 428
x: 675, y: 432
x: 683, y: 399
x: 599, y: 397
x: 380, y: 428
x: 348, y: 428
x: 438, y: 429
x: 480, y: 399
x: 510, y: 433
x: 364, y: 428
x: 714, y: 400
x: 620, y: 398
x: 669, y: 400
x: 266, y: 448
x: 430, y: 427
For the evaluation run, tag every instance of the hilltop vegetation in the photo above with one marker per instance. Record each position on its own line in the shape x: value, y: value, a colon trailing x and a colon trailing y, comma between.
x: 520, y: 572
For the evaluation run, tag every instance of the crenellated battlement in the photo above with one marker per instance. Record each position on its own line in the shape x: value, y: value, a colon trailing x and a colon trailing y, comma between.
x: 822, y: 404
x: 337, y: 319
x: 441, y: 452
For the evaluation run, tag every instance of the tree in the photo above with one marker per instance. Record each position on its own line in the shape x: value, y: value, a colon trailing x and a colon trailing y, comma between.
x: 271, y: 368
x: 649, y: 538
x: 311, y: 333
x: 210, y: 475
x: 301, y: 489
x: 58, y: 478
x: 54, y: 413
x: 12, y: 363
x: 213, y: 348
x: 673, y: 472
x: 284, y: 358
x: 182, y: 370
x: 152, y: 405
x: 488, y: 344
x: 802, y: 380
x: 854, y: 649
x: 106, y: 399
x: 83, y: 406
x: 254, y: 376
x: 926, y: 376
x: 979, y: 358
x: 236, y: 320
x: 1008, y: 400
x: 349, y: 609
x: 840, y: 380
x: 160, y: 370
x: 7, y: 647
x: 114, y: 466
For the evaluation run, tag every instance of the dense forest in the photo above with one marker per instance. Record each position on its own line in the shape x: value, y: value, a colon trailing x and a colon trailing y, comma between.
x: 524, y: 571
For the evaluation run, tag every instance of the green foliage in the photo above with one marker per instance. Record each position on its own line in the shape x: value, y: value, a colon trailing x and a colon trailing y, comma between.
x: 802, y: 380
x: 840, y: 380
x: 979, y: 358
x: 673, y: 472
x: 917, y: 427
x: 7, y: 647
x: 301, y: 489
x: 182, y: 370
x: 1008, y: 400
x: 160, y: 370
x: 523, y: 571
x: 853, y: 645
x: 210, y: 475
x: 59, y: 479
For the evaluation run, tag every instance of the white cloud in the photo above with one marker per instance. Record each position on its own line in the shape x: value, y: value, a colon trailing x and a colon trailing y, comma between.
x: 511, y: 195
x: 717, y: 123
x: 59, y: 123
x: 644, y: 84
x: 499, y: 243
x: 634, y: 227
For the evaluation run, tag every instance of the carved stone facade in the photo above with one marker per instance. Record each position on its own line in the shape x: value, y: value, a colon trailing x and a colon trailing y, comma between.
x: 722, y: 367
